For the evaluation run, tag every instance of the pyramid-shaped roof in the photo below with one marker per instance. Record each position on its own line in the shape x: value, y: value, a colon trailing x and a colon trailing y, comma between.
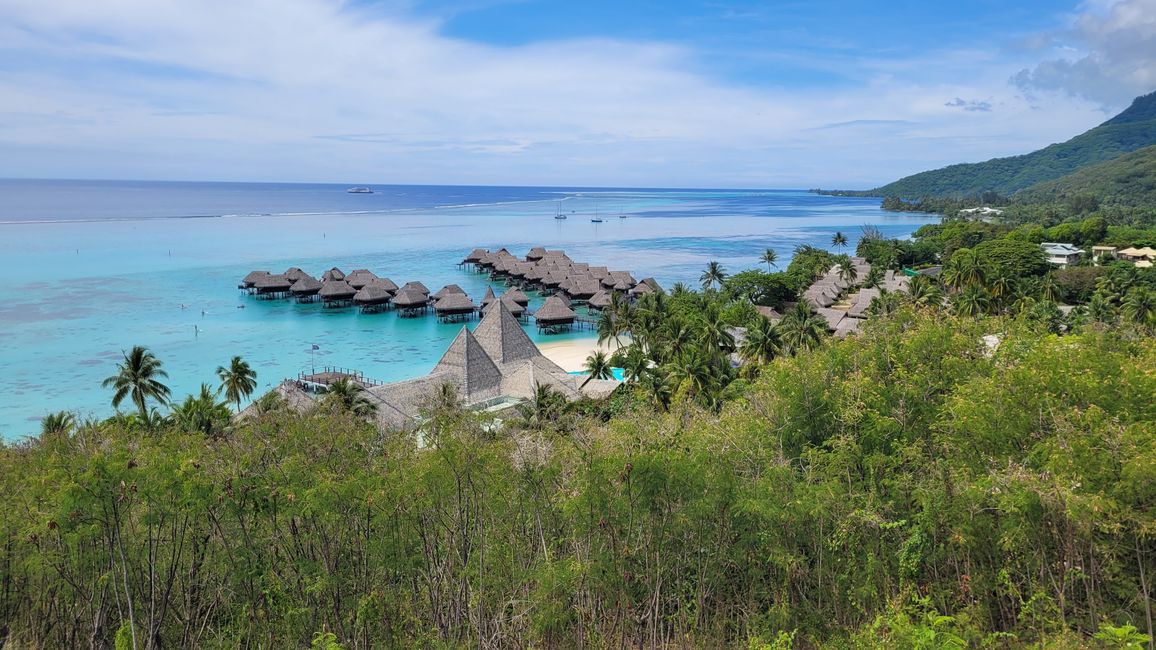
x: 502, y: 336
x: 467, y: 360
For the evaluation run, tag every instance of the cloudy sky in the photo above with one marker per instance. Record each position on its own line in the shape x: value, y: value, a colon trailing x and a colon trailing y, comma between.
x: 806, y: 93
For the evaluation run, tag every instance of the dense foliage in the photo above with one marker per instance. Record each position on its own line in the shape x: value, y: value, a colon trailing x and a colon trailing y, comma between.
x: 1129, y: 180
x: 912, y: 487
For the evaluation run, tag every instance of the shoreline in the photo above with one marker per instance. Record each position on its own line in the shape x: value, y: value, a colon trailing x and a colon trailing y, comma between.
x: 571, y: 355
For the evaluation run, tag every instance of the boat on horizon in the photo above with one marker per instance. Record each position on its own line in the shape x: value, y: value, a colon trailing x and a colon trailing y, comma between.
x: 360, y: 190
x: 558, y: 211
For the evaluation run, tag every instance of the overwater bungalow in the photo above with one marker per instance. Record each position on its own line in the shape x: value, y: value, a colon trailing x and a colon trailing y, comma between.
x: 386, y: 284
x: 647, y: 285
x: 474, y: 257
x: 359, y: 278
x: 410, y: 302
x: 454, y: 307
x: 517, y: 296
x: 305, y: 289
x: 372, y: 298
x: 336, y: 293
x: 536, y: 253
x: 293, y: 274
x: 251, y: 279
x: 488, y: 298
x: 554, y: 316
x: 272, y: 286
x: 333, y: 274
x: 518, y: 311
x: 584, y: 289
x: 415, y: 286
x: 447, y: 290
x: 599, y: 301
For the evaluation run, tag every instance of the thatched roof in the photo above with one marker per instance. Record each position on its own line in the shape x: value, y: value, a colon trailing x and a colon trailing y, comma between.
x: 554, y: 311
x: 447, y: 290
x: 415, y: 286
x: 336, y: 290
x: 454, y: 303
x: 832, y: 316
x: 359, y: 278
x: 516, y: 295
x: 306, y: 286
x: 514, y: 308
x: 252, y: 277
x: 410, y: 298
x: 502, y: 337
x: 536, y: 253
x: 599, y: 272
x: 585, y: 288
x: 294, y: 274
x: 600, y: 300
x: 652, y: 283
x: 489, y: 297
x: 475, y: 255
x: 372, y: 294
x: 848, y: 326
x: 385, y: 283
x: 769, y: 313
x: 467, y: 361
x: 272, y: 283
x: 641, y: 289
x: 333, y: 274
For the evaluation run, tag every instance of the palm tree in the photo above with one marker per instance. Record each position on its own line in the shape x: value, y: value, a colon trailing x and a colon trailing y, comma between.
x: 1101, y: 308
x: 769, y: 258
x: 714, y: 275
x: 680, y: 289
x: 544, y: 406
x: 1139, y: 306
x: 923, y: 292
x: 714, y: 331
x: 874, y: 277
x: 972, y: 301
x: 237, y: 381
x: 202, y: 413
x: 839, y: 239
x: 847, y: 272
x: 634, y: 364
x: 801, y: 329
x: 608, y: 327
x: 139, y: 379
x: 964, y: 269
x: 350, y: 396
x: 763, y: 343
x: 598, y: 367
x: 657, y: 388
x: 886, y: 302
x: 59, y: 423
x: 1049, y: 288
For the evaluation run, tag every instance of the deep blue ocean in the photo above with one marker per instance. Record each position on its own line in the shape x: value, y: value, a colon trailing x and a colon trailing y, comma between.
x: 95, y: 267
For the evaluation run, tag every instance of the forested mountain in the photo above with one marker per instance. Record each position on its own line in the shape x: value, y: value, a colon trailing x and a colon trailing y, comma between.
x: 1129, y: 180
x: 1132, y: 129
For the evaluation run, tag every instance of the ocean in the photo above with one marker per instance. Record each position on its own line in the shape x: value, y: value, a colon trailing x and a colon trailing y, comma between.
x: 95, y: 267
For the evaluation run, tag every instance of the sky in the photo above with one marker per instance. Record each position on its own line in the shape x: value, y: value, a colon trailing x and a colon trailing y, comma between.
x: 670, y: 93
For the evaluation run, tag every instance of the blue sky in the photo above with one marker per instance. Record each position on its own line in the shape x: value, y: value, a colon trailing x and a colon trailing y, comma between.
x: 677, y: 93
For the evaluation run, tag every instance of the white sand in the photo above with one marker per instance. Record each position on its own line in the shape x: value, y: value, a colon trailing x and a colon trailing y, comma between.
x: 571, y: 355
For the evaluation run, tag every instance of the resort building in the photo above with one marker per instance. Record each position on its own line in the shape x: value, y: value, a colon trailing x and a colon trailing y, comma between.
x: 1098, y: 252
x: 494, y: 367
x: 1140, y: 257
x: 1061, y: 254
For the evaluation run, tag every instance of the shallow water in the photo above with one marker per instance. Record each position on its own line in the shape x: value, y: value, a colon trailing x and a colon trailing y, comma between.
x: 95, y: 268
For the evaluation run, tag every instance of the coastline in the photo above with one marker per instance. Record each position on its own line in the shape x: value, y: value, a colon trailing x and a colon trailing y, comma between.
x: 571, y: 355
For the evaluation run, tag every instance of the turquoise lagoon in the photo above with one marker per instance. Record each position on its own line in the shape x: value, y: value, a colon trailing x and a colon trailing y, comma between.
x: 95, y: 268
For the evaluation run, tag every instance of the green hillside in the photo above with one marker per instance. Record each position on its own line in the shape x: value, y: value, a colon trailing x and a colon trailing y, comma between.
x: 1129, y: 180
x: 1132, y: 129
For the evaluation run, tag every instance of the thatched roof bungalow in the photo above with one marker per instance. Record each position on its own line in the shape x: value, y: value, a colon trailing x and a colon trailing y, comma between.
x: 251, y: 278
x: 372, y: 297
x: 305, y: 289
x: 293, y: 274
x: 415, y: 286
x: 554, y: 315
x: 447, y: 290
x: 386, y: 284
x: 272, y: 286
x: 517, y: 296
x: 454, y: 306
x: 599, y: 301
x: 474, y: 257
x: 333, y: 274
x: 359, y: 278
x: 336, y: 292
x: 536, y: 253
x: 410, y: 302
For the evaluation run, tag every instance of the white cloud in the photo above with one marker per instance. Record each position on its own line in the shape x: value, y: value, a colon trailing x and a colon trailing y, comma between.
x: 316, y: 90
x: 1108, y: 54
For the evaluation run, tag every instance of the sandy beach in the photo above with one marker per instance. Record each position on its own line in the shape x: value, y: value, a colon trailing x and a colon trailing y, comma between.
x: 571, y: 355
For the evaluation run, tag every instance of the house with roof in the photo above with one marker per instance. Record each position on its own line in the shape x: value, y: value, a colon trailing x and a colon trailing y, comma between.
x: 1140, y: 257
x: 1061, y: 254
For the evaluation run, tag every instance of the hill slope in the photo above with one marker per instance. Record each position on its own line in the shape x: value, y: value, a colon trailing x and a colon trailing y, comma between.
x: 1132, y: 129
x: 1128, y: 180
